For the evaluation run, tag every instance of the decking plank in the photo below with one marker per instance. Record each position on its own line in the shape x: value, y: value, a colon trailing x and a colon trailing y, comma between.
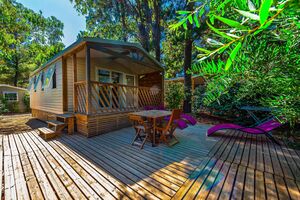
x: 292, y: 189
x: 108, y: 167
x: 9, y: 181
x: 211, y: 181
x: 44, y: 183
x: 114, y: 169
x: 249, y: 190
x: 21, y: 187
x: 169, y: 153
x: 1, y: 165
x: 174, y: 166
x: 259, y: 185
x: 192, y: 178
x: 130, y: 171
x: 171, y: 174
x: 85, y: 188
x: 31, y: 180
x: 281, y: 187
x: 271, y: 191
x: 56, y: 183
x: 238, y: 189
x: 194, y: 189
x: 259, y: 154
x: 144, y: 167
x: 116, y: 187
x: 215, y: 192
x: 65, y: 179
x: 229, y: 182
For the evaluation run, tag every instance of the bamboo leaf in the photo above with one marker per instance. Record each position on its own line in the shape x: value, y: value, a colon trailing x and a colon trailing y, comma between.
x: 232, y: 56
x: 230, y: 22
x: 196, y: 20
x: 248, y: 14
x: 219, y: 32
x: 264, y: 27
x: 183, y: 12
x: 203, y: 50
x: 251, y: 6
x: 264, y: 10
x: 184, y: 26
x: 190, y: 18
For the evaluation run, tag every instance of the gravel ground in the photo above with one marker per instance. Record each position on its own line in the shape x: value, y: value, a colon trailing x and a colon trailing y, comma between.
x: 17, y: 123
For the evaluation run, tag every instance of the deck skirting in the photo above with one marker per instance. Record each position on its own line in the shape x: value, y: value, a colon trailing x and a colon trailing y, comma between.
x: 92, y: 125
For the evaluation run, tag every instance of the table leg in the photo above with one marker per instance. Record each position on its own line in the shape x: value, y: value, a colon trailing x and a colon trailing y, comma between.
x: 70, y: 125
x: 154, y: 133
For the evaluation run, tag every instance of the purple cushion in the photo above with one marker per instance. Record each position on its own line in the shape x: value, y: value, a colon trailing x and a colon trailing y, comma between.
x: 189, y: 118
x: 181, y: 124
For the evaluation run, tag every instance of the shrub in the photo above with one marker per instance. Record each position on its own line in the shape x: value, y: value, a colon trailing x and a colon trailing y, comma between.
x: 198, y: 96
x: 3, y: 105
x: 26, y: 100
x: 174, y: 95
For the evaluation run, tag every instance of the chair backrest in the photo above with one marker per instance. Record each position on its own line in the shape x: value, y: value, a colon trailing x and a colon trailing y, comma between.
x: 175, y: 115
x: 269, y: 125
x: 136, y: 119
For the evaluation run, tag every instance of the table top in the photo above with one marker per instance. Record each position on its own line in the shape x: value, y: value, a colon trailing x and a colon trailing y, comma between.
x: 256, y: 108
x: 66, y: 115
x: 152, y: 113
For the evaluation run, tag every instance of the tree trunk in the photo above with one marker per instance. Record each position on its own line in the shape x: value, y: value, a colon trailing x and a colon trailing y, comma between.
x: 16, y: 76
x: 187, y: 104
x: 142, y: 24
x: 156, y: 32
x: 123, y: 19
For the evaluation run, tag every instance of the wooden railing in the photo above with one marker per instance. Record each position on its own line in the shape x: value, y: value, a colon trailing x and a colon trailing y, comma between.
x: 107, y: 97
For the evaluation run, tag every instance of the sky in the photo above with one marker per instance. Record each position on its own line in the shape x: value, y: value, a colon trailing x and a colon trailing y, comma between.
x: 62, y: 10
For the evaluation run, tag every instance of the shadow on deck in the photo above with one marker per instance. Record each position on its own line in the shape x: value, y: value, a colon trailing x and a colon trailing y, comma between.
x: 108, y: 167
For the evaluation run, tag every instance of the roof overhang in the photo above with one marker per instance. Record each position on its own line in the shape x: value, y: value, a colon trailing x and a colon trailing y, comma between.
x: 82, y: 42
x: 13, y: 87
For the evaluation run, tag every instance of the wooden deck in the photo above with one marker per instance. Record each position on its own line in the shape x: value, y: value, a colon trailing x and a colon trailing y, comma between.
x: 107, y: 167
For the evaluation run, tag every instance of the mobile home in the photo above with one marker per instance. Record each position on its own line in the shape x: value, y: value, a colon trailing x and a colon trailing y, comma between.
x: 99, y: 81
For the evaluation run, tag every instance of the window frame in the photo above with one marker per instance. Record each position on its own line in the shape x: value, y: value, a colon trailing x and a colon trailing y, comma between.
x: 11, y: 92
x: 123, y: 82
x: 54, y: 74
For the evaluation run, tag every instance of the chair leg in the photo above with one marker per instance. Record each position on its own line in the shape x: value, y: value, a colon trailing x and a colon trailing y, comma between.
x: 137, y: 135
x: 144, y: 141
x: 164, y: 138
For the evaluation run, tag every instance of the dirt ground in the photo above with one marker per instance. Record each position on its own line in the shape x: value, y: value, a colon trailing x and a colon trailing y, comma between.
x: 17, y: 123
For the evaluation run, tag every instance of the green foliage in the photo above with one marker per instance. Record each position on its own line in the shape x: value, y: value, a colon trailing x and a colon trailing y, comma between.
x: 3, y: 105
x: 27, y: 39
x: 26, y: 100
x: 198, y: 97
x: 257, y: 54
x: 13, y: 107
x: 174, y: 95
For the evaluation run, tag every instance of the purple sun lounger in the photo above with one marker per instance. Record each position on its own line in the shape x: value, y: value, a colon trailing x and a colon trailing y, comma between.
x: 263, y: 128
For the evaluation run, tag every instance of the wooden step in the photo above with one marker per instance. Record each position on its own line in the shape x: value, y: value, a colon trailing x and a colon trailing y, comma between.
x: 47, y: 133
x: 57, y: 125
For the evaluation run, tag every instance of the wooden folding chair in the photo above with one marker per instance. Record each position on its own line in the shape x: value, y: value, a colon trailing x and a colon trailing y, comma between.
x: 167, y: 130
x: 142, y: 129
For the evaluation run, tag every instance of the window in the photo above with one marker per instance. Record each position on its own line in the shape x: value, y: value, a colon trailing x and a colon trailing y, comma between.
x: 42, y: 80
x: 129, y: 80
x: 11, y: 96
x: 54, y: 79
x: 116, y: 77
x: 104, y: 76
